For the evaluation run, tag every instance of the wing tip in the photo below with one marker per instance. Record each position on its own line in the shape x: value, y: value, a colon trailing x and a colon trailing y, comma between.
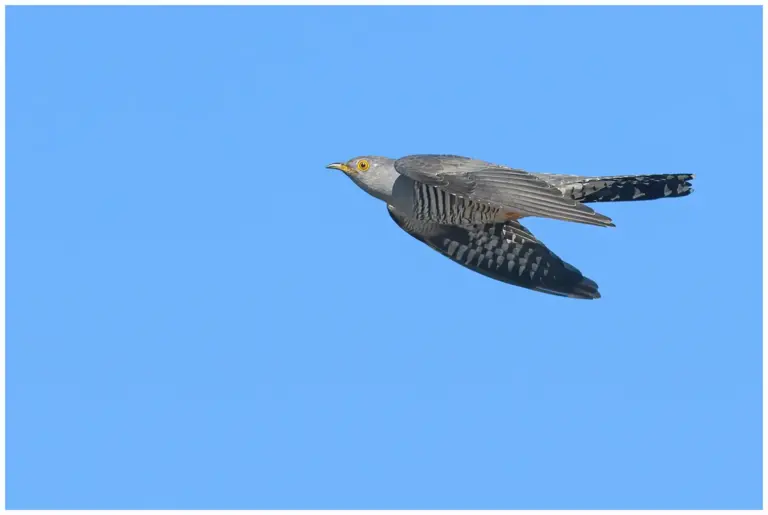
x: 599, y: 222
x: 585, y: 289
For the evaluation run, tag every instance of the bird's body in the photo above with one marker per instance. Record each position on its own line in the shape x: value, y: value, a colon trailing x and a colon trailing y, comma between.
x: 468, y: 210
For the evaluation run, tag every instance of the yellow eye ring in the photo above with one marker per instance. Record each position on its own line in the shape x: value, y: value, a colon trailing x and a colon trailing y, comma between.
x: 363, y: 165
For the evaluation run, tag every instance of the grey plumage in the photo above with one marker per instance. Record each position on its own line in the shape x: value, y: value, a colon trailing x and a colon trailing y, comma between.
x: 505, y: 188
x: 468, y: 210
x: 435, y: 204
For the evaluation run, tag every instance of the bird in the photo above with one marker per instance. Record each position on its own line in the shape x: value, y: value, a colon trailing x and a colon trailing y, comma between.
x: 469, y: 210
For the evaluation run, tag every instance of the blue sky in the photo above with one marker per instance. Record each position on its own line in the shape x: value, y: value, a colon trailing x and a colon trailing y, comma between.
x: 201, y: 316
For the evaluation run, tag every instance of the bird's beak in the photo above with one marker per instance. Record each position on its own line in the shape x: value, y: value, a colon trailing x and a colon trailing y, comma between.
x: 340, y: 166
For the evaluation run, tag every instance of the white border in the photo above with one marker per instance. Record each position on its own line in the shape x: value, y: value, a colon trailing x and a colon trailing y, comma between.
x: 395, y: 2
x: 357, y: 2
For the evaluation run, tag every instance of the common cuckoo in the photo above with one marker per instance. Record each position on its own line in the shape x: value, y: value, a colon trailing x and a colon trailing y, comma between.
x: 469, y: 211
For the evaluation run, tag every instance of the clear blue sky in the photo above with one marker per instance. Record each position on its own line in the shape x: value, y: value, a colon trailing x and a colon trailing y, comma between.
x: 200, y: 315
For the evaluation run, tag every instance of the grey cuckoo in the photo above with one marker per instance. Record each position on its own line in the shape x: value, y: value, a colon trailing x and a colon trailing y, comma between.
x: 469, y: 211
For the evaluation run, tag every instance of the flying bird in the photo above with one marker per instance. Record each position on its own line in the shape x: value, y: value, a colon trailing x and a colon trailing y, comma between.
x: 469, y: 211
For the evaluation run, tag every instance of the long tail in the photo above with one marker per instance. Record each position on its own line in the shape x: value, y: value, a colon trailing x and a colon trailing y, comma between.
x: 625, y: 187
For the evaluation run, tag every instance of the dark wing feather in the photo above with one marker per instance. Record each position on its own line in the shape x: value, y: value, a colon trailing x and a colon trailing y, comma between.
x: 516, y: 190
x: 507, y: 252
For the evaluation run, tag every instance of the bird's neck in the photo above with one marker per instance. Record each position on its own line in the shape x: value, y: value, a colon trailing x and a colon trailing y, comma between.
x: 379, y: 185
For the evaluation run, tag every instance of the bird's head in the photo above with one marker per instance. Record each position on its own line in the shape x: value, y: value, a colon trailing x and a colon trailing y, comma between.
x: 375, y: 174
x: 362, y: 165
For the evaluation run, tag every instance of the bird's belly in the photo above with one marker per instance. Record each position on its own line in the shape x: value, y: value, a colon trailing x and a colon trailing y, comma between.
x: 436, y: 205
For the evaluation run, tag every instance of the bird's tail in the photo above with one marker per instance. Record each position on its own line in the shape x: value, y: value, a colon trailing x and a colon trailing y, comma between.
x: 626, y: 187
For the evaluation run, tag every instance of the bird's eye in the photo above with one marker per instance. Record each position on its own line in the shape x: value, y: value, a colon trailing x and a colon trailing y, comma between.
x: 363, y: 165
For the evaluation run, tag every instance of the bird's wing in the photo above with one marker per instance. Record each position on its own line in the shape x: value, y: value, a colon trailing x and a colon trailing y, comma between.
x: 507, y: 252
x: 517, y: 190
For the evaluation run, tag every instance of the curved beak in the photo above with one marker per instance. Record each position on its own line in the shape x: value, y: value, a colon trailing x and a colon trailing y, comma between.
x: 340, y: 166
